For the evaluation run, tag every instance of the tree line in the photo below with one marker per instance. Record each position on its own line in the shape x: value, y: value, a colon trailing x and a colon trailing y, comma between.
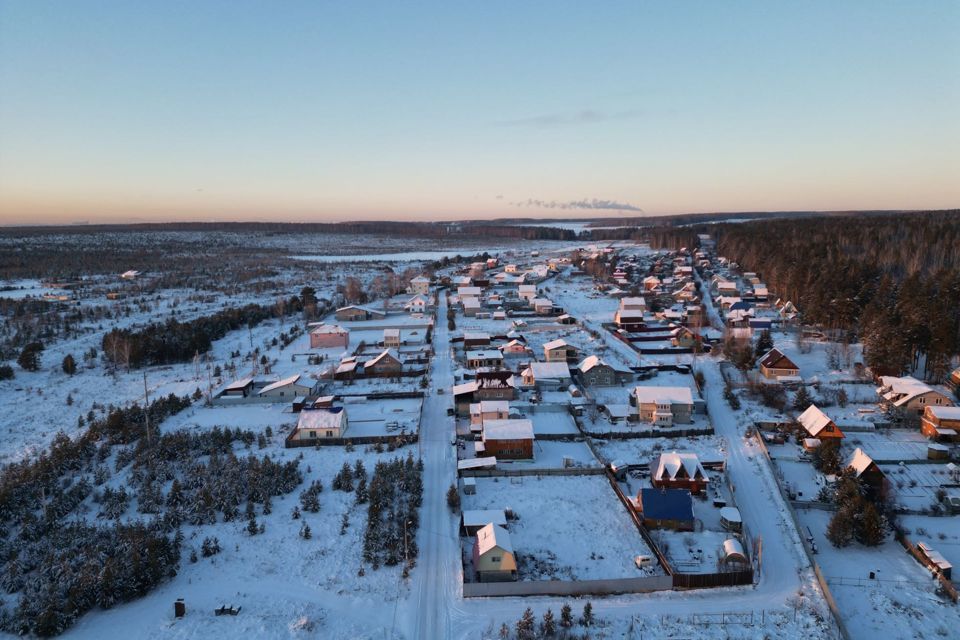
x: 891, y: 281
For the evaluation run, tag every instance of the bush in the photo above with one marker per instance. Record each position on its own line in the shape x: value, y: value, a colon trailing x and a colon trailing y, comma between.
x: 6, y: 372
x: 453, y: 498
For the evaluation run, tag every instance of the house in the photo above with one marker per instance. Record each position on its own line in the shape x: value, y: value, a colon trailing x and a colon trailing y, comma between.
x: 292, y: 387
x: 495, y: 385
x: 559, y: 351
x: 938, y: 564
x: 515, y: 346
x: 633, y: 303
x: 485, y: 410
x: 473, y: 520
x: 542, y: 306
x: 475, y: 339
x: 316, y: 424
x: 941, y: 423
x: 416, y: 304
x: 774, y: 365
x: 679, y: 471
x: 630, y: 321
x: 391, y: 338
x: 867, y: 472
x: 355, y: 313
x: 651, y: 283
x: 910, y: 395
x: 471, y: 306
x: 818, y: 425
x: 485, y: 358
x: 665, y: 508
x: 329, y: 336
x: 566, y: 318
x: 685, y: 338
x: 388, y: 363
x: 238, y: 388
x: 596, y: 372
x: 420, y: 285
x: 493, y: 556
x: 552, y: 375
x: 664, y: 406
x: 508, y: 439
x: 527, y: 292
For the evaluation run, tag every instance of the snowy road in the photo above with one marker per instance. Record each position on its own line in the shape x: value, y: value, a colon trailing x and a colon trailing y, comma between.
x: 436, y: 579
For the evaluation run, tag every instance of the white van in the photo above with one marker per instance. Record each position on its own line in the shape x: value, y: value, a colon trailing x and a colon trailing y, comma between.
x: 643, y: 562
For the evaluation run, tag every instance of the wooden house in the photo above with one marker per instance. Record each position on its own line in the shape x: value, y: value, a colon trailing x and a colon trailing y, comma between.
x: 510, y: 439
x: 867, y: 471
x: 596, y: 372
x: 818, y: 425
x: 493, y: 555
x: 910, y: 395
x: 665, y: 508
x: 387, y: 363
x: 664, y: 406
x: 941, y: 424
x: 559, y: 351
x: 774, y: 364
x: 679, y: 471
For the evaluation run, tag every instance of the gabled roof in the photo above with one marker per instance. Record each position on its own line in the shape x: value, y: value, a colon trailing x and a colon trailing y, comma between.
x: 386, y: 353
x: 859, y: 462
x: 490, y: 406
x: 555, y: 344
x: 321, y: 418
x: 484, y: 354
x: 900, y: 391
x: 281, y: 383
x: 492, y: 536
x: 943, y: 413
x: 480, y: 517
x: 687, y: 465
x: 814, y: 420
x: 774, y: 359
x: 378, y: 312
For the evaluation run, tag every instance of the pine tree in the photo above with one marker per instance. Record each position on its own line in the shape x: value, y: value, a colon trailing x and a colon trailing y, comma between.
x: 305, y: 531
x: 566, y: 616
x: 252, y: 527
x: 548, y: 628
x: 840, y: 529
x: 361, y: 492
x: 296, y: 512
x: 871, y: 526
x: 453, y: 498
x: 526, y: 626
x: 587, y: 619
x: 69, y: 365
x: 802, y: 399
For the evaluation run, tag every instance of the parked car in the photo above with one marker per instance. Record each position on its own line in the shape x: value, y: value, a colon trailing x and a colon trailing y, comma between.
x: 643, y: 562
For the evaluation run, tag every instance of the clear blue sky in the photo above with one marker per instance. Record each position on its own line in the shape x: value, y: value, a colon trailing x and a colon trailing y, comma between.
x: 198, y: 110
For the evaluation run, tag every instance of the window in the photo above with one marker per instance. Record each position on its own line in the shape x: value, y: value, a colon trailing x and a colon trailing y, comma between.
x: 313, y: 434
x: 329, y: 433
x: 495, y: 558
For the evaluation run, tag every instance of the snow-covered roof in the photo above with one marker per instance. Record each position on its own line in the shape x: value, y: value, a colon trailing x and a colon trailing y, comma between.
x: 469, y: 291
x: 475, y: 335
x: 663, y: 395
x: 490, y: 406
x: 480, y: 517
x: 513, y: 429
x: 466, y: 387
x: 485, y: 354
x: 546, y: 370
x: 669, y: 465
x: 814, y: 420
x: 421, y: 280
x: 238, y: 384
x: 477, y: 463
x: 281, y: 383
x: 470, y: 302
x: 944, y: 413
x: 541, y: 302
x: 859, y: 461
x: 900, y: 391
x: 321, y: 418
x: 493, y: 536
x: 391, y: 333
x: 555, y: 344
x: 327, y: 328
x: 733, y: 550
x: 391, y: 353
x: 633, y: 301
x: 775, y: 359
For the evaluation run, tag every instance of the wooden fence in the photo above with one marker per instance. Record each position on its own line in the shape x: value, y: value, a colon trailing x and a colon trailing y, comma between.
x: 946, y: 583
x: 398, y: 440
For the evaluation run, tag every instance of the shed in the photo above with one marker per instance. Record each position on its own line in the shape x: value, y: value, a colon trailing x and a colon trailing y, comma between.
x: 730, y: 519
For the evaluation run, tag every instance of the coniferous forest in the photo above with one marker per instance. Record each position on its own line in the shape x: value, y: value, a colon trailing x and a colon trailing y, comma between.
x: 891, y: 281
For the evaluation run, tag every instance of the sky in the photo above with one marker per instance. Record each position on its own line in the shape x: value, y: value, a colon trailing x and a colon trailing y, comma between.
x: 133, y: 111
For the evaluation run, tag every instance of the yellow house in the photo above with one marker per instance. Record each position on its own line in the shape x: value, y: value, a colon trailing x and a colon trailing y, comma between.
x: 493, y: 557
